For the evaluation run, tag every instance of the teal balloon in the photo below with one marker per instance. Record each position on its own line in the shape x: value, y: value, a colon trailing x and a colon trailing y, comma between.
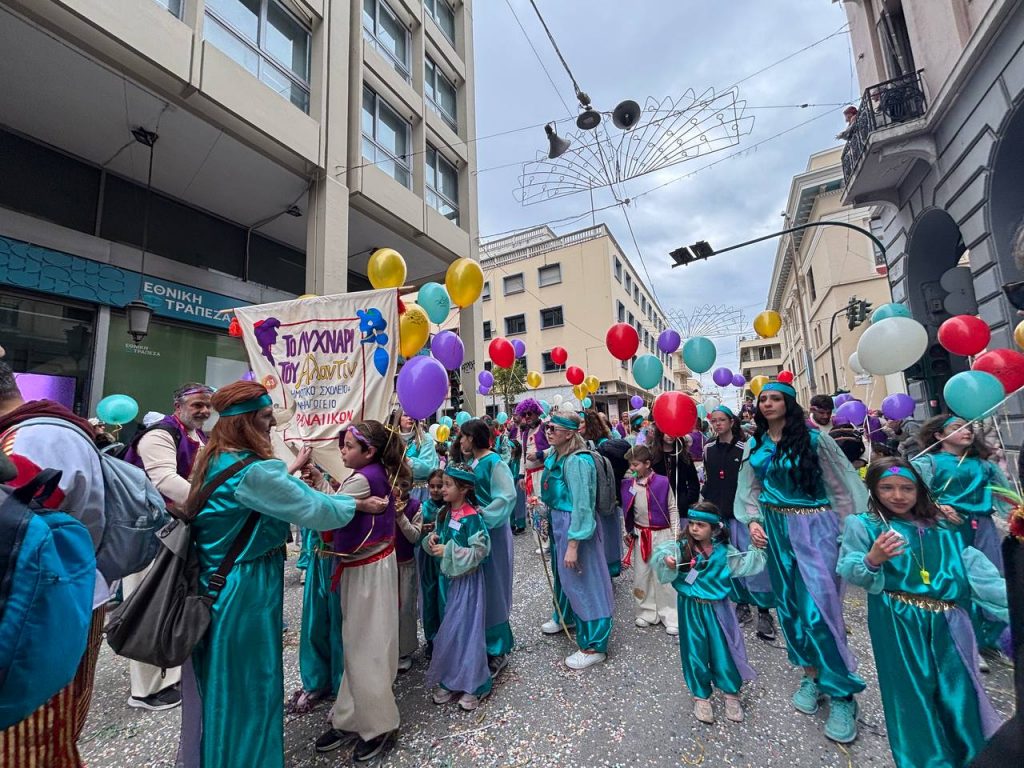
x: 435, y: 302
x: 647, y: 371
x: 973, y: 394
x: 699, y: 354
x: 117, y: 409
x: 446, y: 420
x: 885, y: 311
x: 501, y: 418
x: 462, y: 418
x: 586, y: 402
x: 545, y: 406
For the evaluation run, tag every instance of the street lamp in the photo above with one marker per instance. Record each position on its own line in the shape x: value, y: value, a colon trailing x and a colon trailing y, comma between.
x: 138, y: 311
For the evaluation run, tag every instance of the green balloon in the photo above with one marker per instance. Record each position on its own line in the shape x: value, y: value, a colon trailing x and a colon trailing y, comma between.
x: 117, y: 409
x: 647, y: 371
x: 885, y: 311
x: 435, y: 302
x: 446, y: 420
x: 586, y: 402
x: 699, y: 354
x: 462, y: 418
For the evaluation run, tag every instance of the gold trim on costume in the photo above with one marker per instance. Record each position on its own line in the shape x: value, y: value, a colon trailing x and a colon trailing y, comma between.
x: 923, y: 602
x: 796, y: 510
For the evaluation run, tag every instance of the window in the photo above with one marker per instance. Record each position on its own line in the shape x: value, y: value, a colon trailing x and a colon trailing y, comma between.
x: 387, y: 34
x: 442, y: 185
x: 487, y: 330
x: 265, y: 39
x: 630, y: 319
x: 620, y: 311
x: 618, y: 270
x: 636, y: 293
x: 548, y: 365
x: 444, y: 15
x: 441, y: 94
x: 172, y: 6
x: 810, y: 283
x: 515, y: 325
x: 551, y: 317
x: 643, y: 305
x: 486, y: 294
x: 629, y: 284
x: 385, y: 138
x: 514, y: 284
x: 892, y: 29
x: 488, y: 365
x: 549, y: 275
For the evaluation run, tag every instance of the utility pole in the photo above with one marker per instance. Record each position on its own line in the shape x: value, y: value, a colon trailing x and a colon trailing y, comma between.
x: 805, y: 329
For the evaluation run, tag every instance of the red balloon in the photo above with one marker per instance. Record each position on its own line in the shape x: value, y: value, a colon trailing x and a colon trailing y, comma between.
x: 964, y: 335
x: 674, y: 413
x: 1005, y: 364
x: 502, y: 353
x: 785, y: 377
x: 622, y: 341
x: 559, y: 355
x: 574, y: 374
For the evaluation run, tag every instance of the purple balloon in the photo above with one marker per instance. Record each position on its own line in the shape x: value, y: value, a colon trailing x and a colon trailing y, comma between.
x: 738, y: 380
x: 875, y: 433
x: 898, y: 406
x: 854, y: 411
x: 485, y: 379
x: 722, y: 377
x: 446, y: 347
x: 840, y: 419
x: 520, y: 348
x: 838, y: 400
x: 636, y: 401
x: 669, y: 341
x: 422, y: 386
x: 483, y: 390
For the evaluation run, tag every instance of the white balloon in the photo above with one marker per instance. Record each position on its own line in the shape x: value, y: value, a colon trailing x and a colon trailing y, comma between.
x: 645, y: 412
x: 855, y: 365
x: 892, y: 346
x: 433, y: 431
x: 557, y: 400
x: 711, y: 403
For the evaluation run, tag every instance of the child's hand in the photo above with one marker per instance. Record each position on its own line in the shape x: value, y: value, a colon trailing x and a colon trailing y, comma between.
x: 571, y: 560
x: 757, y: 535
x: 888, y: 545
x: 428, y: 528
x: 670, y: 562
x: 950, y: 514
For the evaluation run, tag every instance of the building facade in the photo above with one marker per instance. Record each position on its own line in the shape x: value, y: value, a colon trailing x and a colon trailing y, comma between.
x: 759, y: 357
x: 566, y: 291
x: 292, y: 138
x: 937, y: 150
x: 817, y: 272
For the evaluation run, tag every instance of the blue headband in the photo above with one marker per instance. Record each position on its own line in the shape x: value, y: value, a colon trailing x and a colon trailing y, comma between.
x: 778, y: 386
x: 461, y: 472
x: 704, y: 516
x: 564, y: 422
x: 248, y: 406
x: 901, y: 472
x: 725, y: 409
x: 950, y: 420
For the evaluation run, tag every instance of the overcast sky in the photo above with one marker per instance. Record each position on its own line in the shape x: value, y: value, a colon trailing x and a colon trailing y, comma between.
x: 632, y: 50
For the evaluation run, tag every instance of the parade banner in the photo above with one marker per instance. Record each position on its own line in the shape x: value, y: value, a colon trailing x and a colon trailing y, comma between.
x: 326, y: 361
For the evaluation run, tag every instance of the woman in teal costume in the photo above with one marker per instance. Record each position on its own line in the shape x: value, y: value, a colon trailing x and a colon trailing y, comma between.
x: 421, y: 452
x: 919, y: 579
x: 582, y: 585
x: 795, y: 487
x: 232, y: 687
x: 701, y: 566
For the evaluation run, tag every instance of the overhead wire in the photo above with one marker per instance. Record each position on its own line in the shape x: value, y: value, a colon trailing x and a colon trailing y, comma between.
x: 539, y: 59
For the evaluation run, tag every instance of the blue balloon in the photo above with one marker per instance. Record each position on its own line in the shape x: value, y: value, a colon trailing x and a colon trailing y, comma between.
x: 586, y: 402
x: 117, y: 409
x: 381, y: 360
x: 545, y: 406
x: 973, y: 394
x: 885, y: 311
x: 647, y: 371
x: 435, y: 302
x: 462, y: 418
x: 446, y: 420
x: 501, y: 417
x: 699, y: 354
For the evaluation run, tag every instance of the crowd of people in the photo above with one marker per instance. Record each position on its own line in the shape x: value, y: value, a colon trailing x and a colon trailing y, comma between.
x: 770, y: 509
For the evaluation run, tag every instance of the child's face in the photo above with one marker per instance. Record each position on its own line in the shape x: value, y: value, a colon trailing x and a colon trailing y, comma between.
x: 897, y: 494
x: 451, y: 492
x: 436, y: 488
x: 354, y: 454
x: 640, y: 468
x: 699, y: 530
x: 403, y: 487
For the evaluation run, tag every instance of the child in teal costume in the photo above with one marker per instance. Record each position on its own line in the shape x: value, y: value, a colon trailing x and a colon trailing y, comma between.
x: 429, y: 568
x: 920, y: 580
x: 701, y: 566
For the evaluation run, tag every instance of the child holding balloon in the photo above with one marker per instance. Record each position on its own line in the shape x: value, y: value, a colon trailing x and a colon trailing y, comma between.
x: 431, y: 598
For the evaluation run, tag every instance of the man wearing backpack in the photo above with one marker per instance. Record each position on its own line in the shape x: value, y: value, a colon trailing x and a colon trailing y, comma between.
x: 167, y: 449
x: 48, y: 735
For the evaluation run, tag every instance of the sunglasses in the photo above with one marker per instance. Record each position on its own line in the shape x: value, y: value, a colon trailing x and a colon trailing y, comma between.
x: 553, y: 428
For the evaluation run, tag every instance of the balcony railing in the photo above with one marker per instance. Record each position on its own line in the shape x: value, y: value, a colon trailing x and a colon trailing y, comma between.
x: 890, y: 103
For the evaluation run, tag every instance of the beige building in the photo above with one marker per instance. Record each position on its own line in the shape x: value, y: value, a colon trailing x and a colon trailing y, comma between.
x: 759, y: 357
x: 293, y: 137
x: 684, y: 378
x: 566, y: 291
x: 816, y: 273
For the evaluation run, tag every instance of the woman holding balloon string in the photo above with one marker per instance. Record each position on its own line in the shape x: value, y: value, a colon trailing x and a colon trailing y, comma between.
x: 795, y: 486
x: 419, y: 452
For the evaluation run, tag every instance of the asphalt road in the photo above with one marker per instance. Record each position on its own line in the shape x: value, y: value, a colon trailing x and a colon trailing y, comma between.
x: 633, y: 710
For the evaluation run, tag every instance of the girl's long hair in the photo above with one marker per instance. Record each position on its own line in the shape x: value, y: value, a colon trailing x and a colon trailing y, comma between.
x: 390, y: 448
x: 718, y: 536
x: 926, y: 436
x: 231, y: 434
x: 925, y: 509
x: 795, y: 445
x: 593, y: 427
x: 418, y: 433
x: 658, y: 453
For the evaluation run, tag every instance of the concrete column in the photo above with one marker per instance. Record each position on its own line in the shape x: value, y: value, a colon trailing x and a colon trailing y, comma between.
x: 471, y: 333
x: 327, y: 237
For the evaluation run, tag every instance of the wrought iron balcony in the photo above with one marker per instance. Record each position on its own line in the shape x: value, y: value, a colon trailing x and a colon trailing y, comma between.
x: 893, y: 102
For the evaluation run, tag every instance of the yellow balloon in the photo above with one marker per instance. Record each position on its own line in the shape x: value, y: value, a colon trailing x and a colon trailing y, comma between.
x: 464, y: 281
x: 308, y: 296
x: 386, y: 269
x: 767, y: 323
x: 413, y: 330
x: 442, y: 433
x: 757, y: 383
x: 592, y: 383
x: 580, y: 391
x: 1018, y: 334
x: 534, y: 379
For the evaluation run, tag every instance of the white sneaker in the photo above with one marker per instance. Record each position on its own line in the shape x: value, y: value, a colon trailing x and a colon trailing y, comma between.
x: 581, y: 660
x: 642, y: 623
x: 550, y: 627
x: 673, y: 631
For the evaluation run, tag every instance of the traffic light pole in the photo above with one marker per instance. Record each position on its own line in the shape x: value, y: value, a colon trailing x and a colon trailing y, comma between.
x: 832, y: 345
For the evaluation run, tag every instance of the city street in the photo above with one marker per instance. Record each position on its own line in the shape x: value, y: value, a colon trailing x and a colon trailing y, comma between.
x: 631, y: 711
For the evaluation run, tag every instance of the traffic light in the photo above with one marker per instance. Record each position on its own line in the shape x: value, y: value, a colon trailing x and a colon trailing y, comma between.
x: 851, y: 313
x: 455, y: 385
x: 863, y: 307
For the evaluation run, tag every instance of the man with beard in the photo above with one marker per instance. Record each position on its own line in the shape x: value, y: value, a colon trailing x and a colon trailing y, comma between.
x: 821, y: 413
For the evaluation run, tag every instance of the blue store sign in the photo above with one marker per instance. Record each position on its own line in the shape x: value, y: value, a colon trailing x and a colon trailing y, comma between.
x: 35, y: 268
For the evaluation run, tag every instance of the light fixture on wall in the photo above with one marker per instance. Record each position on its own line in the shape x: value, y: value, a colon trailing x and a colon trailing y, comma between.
x: 138, y: 311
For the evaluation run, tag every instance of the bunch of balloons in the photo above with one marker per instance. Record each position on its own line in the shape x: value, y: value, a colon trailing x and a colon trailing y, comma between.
x: 892, y: 343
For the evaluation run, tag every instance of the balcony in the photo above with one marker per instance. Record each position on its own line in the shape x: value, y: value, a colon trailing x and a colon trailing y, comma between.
x: 889, y: 134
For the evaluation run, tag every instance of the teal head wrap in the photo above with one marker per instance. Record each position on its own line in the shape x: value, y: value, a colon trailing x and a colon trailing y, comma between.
x: 248, y: 406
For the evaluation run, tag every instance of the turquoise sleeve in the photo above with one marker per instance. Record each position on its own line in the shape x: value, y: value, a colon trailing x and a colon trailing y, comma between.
x: 424, y: 460
x: 748, y: 488
x: 925, y: 468
x: 664, y: 573
x: 846, y: 491
x: 988, y: 588
x: 1000, y: 504
x: 459, y: 560
x: 852, y: 564
x: 749, y: 563
x: 503, y: 496
x: 581, y: 478
x: 268, y: 488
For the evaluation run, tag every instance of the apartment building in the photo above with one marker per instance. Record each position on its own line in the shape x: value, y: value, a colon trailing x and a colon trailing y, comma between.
x: 759, y: 357
x: 937, y: 153
x: 292, y: 138
x: 567, y: 290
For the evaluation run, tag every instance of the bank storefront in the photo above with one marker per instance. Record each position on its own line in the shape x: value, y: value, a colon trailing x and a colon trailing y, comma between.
x: 66, y: 336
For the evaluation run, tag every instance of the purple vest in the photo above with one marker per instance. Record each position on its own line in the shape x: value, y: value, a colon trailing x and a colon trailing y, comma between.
x: 186, y: 449
x: 405, y: 549
x: 365, y: 529
x: 657, y: 501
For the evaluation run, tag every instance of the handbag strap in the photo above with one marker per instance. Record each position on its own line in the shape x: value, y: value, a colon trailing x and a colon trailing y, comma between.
x: 193, y: 508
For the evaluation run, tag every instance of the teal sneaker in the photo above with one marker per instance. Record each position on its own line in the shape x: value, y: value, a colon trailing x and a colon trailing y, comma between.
x: 807, y: 696
x: 841, y: 725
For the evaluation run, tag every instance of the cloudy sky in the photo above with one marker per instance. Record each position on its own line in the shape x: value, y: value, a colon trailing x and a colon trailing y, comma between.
x: 632, y: 50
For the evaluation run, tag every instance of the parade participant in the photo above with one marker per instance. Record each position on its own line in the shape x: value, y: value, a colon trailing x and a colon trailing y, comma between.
x: 231, y: 687
x: 366, y: 579
x: 701, y: 566
x: 821, y: 413
x: 515, y: 465
x: 531, y: 436
x: 582, y: 586
x: 408, y: 531
x: 599, y: 437
x: 795, y: 487
x: 460, y: 544
x: 496, y: 495
x: 430, y: 589
x: 671, y: 457
x: 722, y: 460
x: 652, y: 518
x: 420, y: 452
x: 166, y: 450
x: 919, y: 577
x: 502, y: 443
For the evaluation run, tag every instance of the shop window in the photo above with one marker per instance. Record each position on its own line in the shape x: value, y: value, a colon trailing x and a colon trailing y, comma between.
x: 271, y: 263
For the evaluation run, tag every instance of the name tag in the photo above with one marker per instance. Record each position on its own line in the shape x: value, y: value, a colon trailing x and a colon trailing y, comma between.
x: 455, y: 525
x: 691, y: 576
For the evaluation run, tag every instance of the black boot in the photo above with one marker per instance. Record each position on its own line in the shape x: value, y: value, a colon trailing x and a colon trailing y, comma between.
x: 765, y: 625
x: 743, y: 613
